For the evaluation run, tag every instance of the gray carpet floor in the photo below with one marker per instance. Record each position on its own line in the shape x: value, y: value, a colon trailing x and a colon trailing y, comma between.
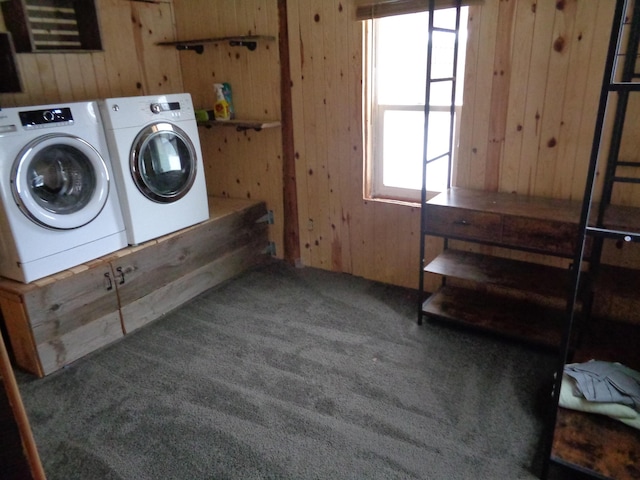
x: 287, y: 373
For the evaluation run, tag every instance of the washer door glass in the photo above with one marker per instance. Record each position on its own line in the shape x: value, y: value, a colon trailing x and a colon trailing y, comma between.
x: 60, y: 181
x: 163, y: 162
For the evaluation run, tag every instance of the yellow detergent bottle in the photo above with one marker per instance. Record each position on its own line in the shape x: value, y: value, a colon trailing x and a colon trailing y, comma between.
x: 223, y: 108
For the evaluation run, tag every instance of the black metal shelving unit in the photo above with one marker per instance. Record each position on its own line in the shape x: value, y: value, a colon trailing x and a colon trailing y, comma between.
x: 593, y: 445
x: 451, y: 81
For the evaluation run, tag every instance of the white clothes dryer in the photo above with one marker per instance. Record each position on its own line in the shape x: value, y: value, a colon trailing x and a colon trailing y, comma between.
x: 157, y: 162
x: 59, y: 206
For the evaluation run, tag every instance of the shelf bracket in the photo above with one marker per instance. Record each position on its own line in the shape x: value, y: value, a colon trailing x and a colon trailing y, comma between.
x: 250, y: 44
x: 196, y: 48
x: 267, y: 218
x: 241, y: 128
x: 270, y: 249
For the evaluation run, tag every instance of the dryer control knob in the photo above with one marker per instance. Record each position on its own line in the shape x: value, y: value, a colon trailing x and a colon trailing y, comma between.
x: 156, y: 108
x: 115, y: 108
x: 48, y: 116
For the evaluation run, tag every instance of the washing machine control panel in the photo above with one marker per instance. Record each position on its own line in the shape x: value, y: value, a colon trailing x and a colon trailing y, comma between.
x: 165, y: 107
x: 44, y: 118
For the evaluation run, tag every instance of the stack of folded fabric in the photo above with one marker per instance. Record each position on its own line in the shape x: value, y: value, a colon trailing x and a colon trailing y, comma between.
x: 604, y: 388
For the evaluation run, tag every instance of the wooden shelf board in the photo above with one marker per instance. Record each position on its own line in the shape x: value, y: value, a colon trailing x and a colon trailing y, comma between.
x: 618, y: 217
x: 610, y: 341
x: 510, y: 204
x: 242, y: 124
x: 616, y: 294
x: 618, y: 280
x: 504, y: 272
x: 233, y: 38
x: 596, y: 445
x: 507, y: 317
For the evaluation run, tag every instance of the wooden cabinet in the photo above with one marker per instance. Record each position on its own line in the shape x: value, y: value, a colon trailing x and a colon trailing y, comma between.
x: 61, y: 318
x: 518, y: 299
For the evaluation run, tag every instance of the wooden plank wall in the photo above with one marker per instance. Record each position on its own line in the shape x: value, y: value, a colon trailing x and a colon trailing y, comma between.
x: 533, y: 76
x: 130, y: 63
x: 338, y: 229
x: 532, y: 88
x: 534, y: 70
x: 239, y: 164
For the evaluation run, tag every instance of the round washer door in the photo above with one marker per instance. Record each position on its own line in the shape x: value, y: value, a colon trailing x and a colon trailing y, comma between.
x: 163, y: 162
x: 60, y: 181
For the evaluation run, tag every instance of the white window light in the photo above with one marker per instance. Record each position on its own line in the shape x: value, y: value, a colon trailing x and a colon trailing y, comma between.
x: 395, y: 74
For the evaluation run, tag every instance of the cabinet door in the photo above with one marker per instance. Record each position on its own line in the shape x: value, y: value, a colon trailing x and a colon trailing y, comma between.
x: 158, y: 277
x: 70, y: 317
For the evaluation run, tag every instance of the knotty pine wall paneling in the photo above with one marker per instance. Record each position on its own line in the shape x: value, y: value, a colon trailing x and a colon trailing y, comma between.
x: 238, y: 164
x: 129, y: 64
x: 554, y: 63
x: 533, y: 76
x: 550, y: 57
x: 339, y: 229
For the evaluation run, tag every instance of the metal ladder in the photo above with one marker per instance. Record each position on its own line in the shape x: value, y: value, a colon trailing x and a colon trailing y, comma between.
x: 623, y: 87
x: 452, y: 81
x: 622, y: 83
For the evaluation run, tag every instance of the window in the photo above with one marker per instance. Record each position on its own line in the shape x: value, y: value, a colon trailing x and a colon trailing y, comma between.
x: 396, y: 56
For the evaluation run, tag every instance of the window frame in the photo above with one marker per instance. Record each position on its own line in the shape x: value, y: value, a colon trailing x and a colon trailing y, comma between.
x: 373, y: 130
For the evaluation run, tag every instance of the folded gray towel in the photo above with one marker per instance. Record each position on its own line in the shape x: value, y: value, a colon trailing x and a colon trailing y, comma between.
x: 599, y: 381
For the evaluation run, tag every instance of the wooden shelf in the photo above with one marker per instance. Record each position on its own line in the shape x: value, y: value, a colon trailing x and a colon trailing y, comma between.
x: 197, y: 45
x: 616, y: 294
x: 535, y: 224
x: 241, y: 125
x: 596, y: 445
x: 508, y: 317
x: 504, y: 272
x: 565, y: 211
x: 617, y: 217
x: 513, y: 298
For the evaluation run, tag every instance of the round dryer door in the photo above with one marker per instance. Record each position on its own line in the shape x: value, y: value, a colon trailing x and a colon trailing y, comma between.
x: 163, y: 162
x: 60, y: 181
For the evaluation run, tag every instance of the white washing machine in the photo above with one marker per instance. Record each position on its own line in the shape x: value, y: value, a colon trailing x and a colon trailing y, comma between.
x: 157, y: 161
x: 59, y: 202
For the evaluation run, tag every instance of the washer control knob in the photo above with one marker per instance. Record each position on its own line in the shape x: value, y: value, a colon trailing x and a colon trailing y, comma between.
x: 156, y: 108
x: 115, y: 108
x: 48, y: 116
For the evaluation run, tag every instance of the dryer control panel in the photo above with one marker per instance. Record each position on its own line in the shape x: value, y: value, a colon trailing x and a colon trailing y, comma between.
x: 165, y: 107
x: 44, y: 118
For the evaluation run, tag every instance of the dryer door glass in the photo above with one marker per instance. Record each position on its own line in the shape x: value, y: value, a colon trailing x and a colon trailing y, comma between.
x: 163, y: 163
x: 60, y: 181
